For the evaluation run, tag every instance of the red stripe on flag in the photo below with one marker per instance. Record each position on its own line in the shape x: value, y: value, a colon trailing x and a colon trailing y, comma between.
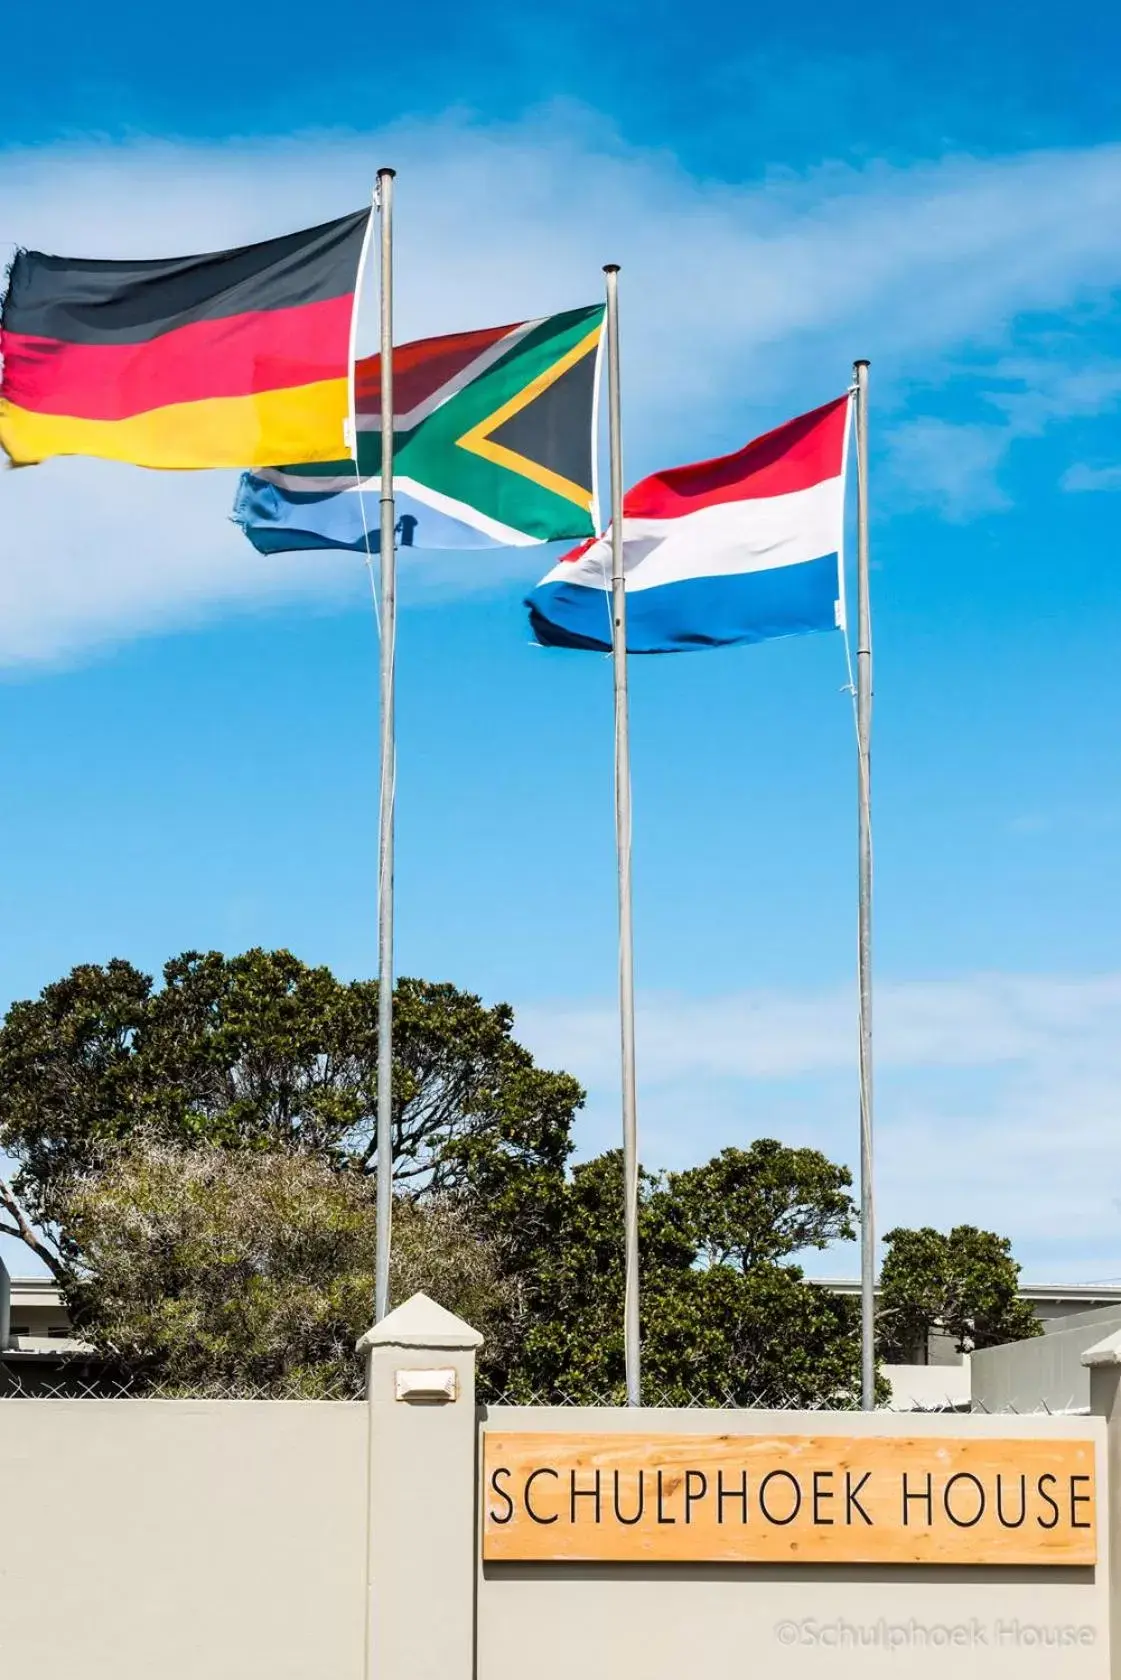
x: 795, y: 456
x: 421, y: 368
x: 235, y: 356
x: 581, y: 549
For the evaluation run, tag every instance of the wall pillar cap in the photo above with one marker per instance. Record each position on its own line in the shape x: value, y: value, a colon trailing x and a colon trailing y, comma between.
x: 420, y: 1322
x: 1107, y: 1352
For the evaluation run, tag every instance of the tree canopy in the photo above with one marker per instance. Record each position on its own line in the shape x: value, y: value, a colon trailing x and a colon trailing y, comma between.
x: 214, y: 1270
x: 750, y: 1207
x: 963, y: 1284
x: 195, y: 1162
x: 261, y: 1052
x: 713, y: 1328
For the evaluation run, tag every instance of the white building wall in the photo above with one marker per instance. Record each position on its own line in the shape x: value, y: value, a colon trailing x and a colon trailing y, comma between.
x: 1045, y: 1373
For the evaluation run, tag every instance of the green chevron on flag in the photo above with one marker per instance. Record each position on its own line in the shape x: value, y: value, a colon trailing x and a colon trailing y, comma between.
x: 494, y: 442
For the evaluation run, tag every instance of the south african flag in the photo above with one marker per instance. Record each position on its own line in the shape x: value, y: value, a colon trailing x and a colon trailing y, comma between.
x: 494, y: 445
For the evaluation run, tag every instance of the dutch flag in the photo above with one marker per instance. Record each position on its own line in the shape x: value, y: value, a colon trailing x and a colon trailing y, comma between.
x: 739, y: 549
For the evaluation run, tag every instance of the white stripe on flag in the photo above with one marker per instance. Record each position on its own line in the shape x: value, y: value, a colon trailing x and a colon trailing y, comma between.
x: 757, y: 535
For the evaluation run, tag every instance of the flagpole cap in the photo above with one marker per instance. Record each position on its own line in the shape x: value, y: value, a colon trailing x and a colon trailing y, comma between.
x: 861, y: 361
x: 611, y: 268
x: 386, y: 171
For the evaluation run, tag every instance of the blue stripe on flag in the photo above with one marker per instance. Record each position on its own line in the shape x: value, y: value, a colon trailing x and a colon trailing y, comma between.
x: 277, y: 521
x: 695, y: 613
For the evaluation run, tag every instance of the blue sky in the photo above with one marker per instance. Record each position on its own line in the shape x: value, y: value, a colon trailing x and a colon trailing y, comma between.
x: 188, y: 732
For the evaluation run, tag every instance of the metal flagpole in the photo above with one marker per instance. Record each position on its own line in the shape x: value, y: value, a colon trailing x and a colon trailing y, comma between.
x: 388, y: 761
x: 864, y: 913
x: 631, y: 1340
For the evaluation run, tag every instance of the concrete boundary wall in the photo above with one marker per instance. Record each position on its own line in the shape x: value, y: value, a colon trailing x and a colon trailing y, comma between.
x: 227, y: 1540
x: 190, y: 1539
x: 664, y: 1622
x: 1043, y: 1373
x: 929, y: 1388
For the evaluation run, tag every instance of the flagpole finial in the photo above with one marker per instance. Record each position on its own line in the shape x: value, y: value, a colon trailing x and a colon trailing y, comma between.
x: 611, y: 268
x: 861, y: 361
x: 386, y: 171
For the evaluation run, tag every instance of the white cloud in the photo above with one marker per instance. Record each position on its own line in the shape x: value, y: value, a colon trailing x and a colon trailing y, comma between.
x: 1039, y: 390
x: 1082, y: 476
x: 954, y: 466
x: 935, y: 463
x: 998, y: 1097
x: 738, y: 301
x: 92, y: 551
x: 982, y: 1021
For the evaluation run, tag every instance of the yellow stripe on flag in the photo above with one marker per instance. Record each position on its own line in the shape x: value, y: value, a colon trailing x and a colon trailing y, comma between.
x: 303, y: 423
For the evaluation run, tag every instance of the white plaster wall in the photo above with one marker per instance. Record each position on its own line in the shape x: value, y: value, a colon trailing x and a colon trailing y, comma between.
x: 917, y: 1388
x: 1045, y: 1372
x: 182, y: 1540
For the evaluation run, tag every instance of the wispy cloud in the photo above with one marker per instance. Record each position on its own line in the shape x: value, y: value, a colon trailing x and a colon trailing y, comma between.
x: 999, y: 1096
x: 986, y: 1020
x: 955, y: 466
x: 1035, y: 391
x: 1082, y: 476
x: 949, y: 467
x: 766, y: 288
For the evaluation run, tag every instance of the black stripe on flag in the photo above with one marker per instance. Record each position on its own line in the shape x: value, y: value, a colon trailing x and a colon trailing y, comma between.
x: 88, y: 301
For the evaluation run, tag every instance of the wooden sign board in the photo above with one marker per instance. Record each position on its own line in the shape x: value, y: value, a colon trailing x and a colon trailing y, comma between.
x: 787, y: 1499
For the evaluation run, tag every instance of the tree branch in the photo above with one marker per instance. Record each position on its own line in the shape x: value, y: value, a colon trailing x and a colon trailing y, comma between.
x: 27, y: 1233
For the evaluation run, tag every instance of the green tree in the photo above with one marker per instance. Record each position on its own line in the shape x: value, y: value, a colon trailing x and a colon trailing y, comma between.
x: 214, y: 1270
x: 723, y: 1318
x: 261, y: 1052
x: 748, y: 1207
x: 964, y: 1284
x: 195, y: 1162
x: 765, y: 1337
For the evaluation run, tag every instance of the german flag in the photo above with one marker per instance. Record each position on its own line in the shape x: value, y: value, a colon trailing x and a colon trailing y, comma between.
x: 237, y: 358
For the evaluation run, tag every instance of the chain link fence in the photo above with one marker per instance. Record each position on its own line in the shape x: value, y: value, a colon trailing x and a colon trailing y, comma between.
x: 87, y: 1380
x: 652, y: 1397
x: 28, y: 1384
x: 91, y: 1379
